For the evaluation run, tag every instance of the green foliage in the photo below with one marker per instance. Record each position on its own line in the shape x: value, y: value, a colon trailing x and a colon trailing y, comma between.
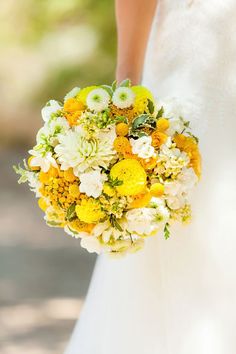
x: 114, y: 223
x: 167, y: 231
x: 71, y: 214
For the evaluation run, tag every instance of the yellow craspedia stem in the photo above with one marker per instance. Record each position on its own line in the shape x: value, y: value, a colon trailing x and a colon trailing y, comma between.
x: 157, y: 189
x: 89, y: 211
x: 132, y: 174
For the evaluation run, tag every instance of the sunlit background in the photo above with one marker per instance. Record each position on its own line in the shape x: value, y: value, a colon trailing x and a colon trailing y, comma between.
x: 47, y: 47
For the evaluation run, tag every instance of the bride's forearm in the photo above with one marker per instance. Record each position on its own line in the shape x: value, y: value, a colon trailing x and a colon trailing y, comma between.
x: 134, y: 19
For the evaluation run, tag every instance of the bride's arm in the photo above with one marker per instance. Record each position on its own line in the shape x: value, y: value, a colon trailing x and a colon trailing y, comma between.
x: 134, y: 19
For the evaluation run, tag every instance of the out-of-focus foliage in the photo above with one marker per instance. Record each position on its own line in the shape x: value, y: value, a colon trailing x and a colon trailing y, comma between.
x: 47, y: 47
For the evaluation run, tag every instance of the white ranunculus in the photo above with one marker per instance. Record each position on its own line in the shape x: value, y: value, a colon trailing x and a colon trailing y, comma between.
x: 91, y: 244
x: 72, y: 93
x: 91, y: 183
x: 123, y: 97
x: 51, y: 107
x: 98, y: 100
x: 142, y: 147
x: 44, y: 162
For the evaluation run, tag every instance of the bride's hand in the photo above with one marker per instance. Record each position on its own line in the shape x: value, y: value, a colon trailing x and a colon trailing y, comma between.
x: 134, y: 19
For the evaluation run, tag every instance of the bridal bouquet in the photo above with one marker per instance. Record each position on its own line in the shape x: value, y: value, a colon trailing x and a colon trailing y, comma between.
x: 113, y: 167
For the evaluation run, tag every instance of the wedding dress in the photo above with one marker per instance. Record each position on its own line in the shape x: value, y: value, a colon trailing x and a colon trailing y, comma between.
x: 178, y: 296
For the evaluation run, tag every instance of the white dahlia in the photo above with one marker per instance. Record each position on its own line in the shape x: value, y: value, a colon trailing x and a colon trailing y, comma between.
x: 78, y: 151
x: 123, y: 97
x: 98, y: 100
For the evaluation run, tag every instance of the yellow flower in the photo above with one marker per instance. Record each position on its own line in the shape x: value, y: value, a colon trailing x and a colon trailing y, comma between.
x: 33, y: 168
x: 149, y: 163
x: 158, y: 138
x: 140, y: 200
x: 128, y: 112
x: 74, y: 190
x: 122, y: 129
x: 189, y: 145
x: 162, y: 124
x: 81, y: 226
x: 44, y: 177
x: 108, y: 190
x: 82, y: 95
x: 157, y: 189
x: 142, y: 94
x: 121, y: 144
x: 42, y: 203
x: 69, y: 175
x: 89, y: 211
x: 72, y: 105
x: 132, y: 174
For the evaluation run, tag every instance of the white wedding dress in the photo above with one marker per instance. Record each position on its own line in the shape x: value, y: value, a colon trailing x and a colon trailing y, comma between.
x: 179, y: 296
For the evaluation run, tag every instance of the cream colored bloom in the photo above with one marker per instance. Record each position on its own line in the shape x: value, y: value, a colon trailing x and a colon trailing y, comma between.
x: 98, y: 100
x: 50, y: 108
x: 123, y: 97
x: 91, y: 183
x: 143, y: 147
x: 77, y: 150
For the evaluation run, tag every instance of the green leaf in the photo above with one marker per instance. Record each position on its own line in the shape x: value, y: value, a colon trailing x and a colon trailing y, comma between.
x: 114, y: 182
x: 114, y: 223
x: 150, y: 106
x: 114, y: 85
x: 139, y: 121
x: 71, y: 214
x: 108, y: 89
x: 193, y: 136
x: 160, y: 113
x: 125, y: 83
x: 167, y: 231
x: 22, y: 172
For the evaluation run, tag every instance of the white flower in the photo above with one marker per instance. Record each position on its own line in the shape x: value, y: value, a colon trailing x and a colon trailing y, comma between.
x: 142, y: 147
x: 72, y: 93
x: 188, y: 179
x: 48, y: 133
x: 123, y: 97
x: 141, y: 220
x: 91, y: 244
x: 176, y: 126
x: 98, y: 100
x: 34, y: 183
x: 176, y: 201
x: 92, y: 183
x: 43, y: 161
x: 78, y: 151
x: 51, y: 107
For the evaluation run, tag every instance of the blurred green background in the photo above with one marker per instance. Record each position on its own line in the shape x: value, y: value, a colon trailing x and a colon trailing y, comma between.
x: 47, y: 48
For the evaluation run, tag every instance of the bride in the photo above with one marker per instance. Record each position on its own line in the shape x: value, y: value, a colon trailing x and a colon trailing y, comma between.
x: 176, y: 296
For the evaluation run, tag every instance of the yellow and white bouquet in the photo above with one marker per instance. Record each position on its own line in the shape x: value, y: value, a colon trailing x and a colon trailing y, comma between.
x: 112, y: 166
